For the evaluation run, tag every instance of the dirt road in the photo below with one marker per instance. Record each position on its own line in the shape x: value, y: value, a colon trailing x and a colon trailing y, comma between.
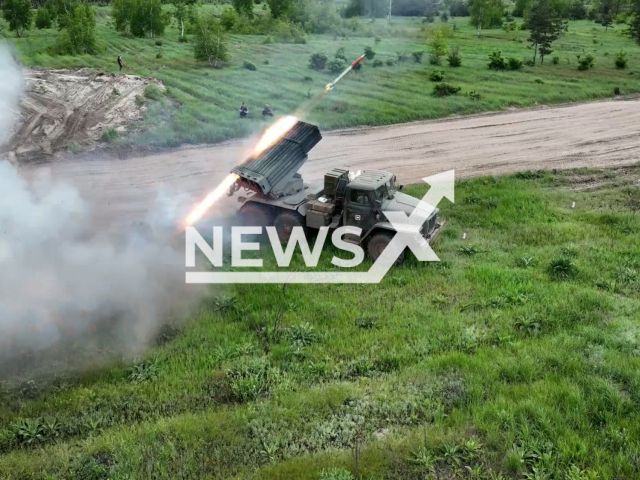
x: 595, y: 134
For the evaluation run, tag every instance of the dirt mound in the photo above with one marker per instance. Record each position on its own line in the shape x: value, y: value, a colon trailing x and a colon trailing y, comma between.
x: 64, y: 108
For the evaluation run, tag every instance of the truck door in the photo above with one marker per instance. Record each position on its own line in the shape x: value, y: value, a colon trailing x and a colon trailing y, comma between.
x: 358, y: 209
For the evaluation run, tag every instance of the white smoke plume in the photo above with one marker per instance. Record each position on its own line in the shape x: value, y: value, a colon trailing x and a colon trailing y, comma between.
x: 10, y: 89
x: 62, y: 283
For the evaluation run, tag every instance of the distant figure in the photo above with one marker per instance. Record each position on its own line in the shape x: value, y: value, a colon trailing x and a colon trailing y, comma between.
x: 244, y: 111
x: 120, y: 62
x: 267, y: 111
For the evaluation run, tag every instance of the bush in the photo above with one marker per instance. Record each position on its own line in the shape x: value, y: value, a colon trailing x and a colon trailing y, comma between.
x: 587, y: 62
x: 377, y: 63
x: 616, y: 91
x: 229, y: 18
x: 249, y: 65
x: 390, y: 62
x: 474, y: 95
x: 402, y: 57
x: 436, y: 76
x: 159, y: 55
x: 434, y: 60
x: 43, y: 18
x: 454, y: 58
x: 620, y: 60
x: 562, y: 268
x: 444, y: 16
x: 210, y: 42
x: 318, y: 61
x: 336, y: 65
x: 555, y: 60
x: 378, y: 40
x: 369, y: 53
x: 496, y: 62
x: 79, y: 35
x: 444, y: 89
x: 417, y: 56
x: 336, y: 474
x: 109, y: 135
x: 340, y: 54
x: 158, y: 43
x: 514, y: 63
x: 152, y: 92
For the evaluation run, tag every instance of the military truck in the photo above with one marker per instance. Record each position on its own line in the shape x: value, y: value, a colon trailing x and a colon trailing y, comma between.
x: 279, y: 197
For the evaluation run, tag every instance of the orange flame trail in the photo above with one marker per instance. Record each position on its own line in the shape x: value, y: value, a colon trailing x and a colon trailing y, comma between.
x: 270, y: 136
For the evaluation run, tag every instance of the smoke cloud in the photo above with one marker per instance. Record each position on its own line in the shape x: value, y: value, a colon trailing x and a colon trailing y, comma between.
x: 66, y: 290
x: 10, y: 90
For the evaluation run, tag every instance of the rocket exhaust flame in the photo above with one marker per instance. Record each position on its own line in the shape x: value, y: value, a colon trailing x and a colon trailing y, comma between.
x: 269, y: 137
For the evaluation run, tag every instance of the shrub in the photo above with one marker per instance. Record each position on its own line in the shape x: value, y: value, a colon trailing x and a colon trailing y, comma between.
x: 539, y: 80
x: 377, y: 62
x: 158, y: 43
x: 496, y: 62
x: 434, y: 60
x: 474, y: 95
x: 562, y: 268
x: 587, y: 62
x: 336, y: 65
x: 378, y: 40
x: 438, y: 43
x: 417, y: 56
x: 444, y: 89
x: 248, y: 380
x: 390, y: 62
x: 616, y: 91
x: 210, y: 42
x: 555, y: 60
x: 402, y: 57
x: 369, y: 53
x: 340, y: 54
x: 79, y: 35
x: 620, y: 60
x: 514, y: 63
x: 249, y: 65
x: 444, y: 16
x: 229, y: 18
x: 454, y: 58
x: 43, y: 18
x: 152, y: 92
x: 436, y: 76
x: 318, y: 61
x: 158, y: 55
x: 302, y: 335
x: 529, y: 62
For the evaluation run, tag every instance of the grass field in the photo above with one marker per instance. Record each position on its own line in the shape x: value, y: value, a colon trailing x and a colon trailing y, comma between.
x: 518, y: 353
x: 208, y: 99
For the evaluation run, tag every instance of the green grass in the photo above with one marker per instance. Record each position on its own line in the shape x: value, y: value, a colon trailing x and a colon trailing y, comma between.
x: 208, y: 99
x: 519, y: 351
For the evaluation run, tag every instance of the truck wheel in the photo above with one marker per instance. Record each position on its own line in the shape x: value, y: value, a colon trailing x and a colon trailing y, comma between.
x: 378, y: 243
x: 255, y: 215
x: 285, y: 222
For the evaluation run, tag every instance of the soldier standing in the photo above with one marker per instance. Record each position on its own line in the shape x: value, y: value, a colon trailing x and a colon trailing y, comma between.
x: 120, y: 62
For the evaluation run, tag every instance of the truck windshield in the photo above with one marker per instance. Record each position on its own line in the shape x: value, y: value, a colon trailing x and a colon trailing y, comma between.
x: 380, y: 193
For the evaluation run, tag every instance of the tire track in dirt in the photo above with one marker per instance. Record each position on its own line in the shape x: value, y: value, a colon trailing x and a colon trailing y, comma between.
x: 587, y: 135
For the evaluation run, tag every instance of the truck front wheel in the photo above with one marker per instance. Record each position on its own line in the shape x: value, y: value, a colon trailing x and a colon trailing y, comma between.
x: 254, y: 214
x: 378, y: 243
x: 285, y: 222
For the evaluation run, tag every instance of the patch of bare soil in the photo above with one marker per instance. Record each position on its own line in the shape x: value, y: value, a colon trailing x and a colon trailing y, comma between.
x: 65, y: 109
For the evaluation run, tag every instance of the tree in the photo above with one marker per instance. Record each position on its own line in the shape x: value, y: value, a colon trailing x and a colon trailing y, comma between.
x: 182, y: 10
x: 486, y: 14
x: 79, y: 35
x: 210, y: 45
x: 546, y: 26
x: 141, y: 18
x: 18, y: 15
x: 577, y: 10
x: 279, y: 8
x: 61, y: 10
x: 634, y: 23
x: 244, y: 7
x: 43, y: 18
